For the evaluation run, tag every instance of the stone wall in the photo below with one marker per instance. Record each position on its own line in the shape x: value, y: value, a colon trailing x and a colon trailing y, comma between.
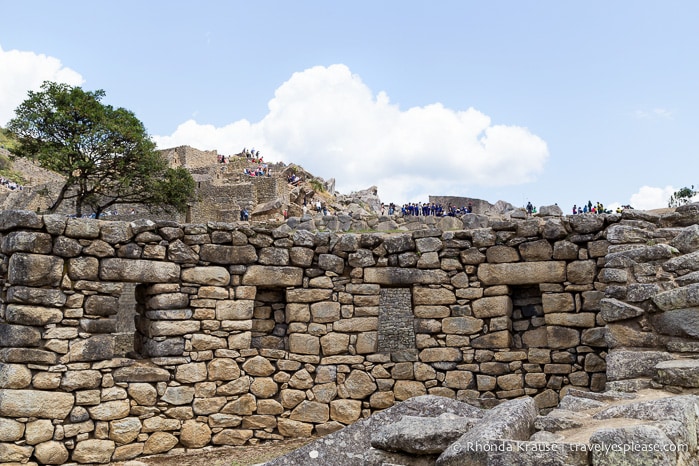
x: 221, y: 201
x: 246, y: 334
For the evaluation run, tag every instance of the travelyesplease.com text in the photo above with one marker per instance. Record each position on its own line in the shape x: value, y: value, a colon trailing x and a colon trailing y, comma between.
x: 500, y: 446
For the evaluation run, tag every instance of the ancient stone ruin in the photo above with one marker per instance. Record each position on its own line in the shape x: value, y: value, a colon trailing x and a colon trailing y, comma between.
x: 247, y: 333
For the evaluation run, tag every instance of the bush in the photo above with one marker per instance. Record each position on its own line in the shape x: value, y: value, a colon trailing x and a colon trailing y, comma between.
x: 317, y: 186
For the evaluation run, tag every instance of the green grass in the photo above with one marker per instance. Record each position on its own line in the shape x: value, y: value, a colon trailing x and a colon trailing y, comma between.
x: 6, y: 139
x: 317, y: 185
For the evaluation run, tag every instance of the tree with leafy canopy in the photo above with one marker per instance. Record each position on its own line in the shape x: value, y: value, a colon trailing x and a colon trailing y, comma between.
x: 682, y: 196
x: 104, y: 153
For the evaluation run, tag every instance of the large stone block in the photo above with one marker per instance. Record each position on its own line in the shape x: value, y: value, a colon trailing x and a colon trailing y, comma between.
x: 27, y: 241
x: 461, y: 325
x: 613, y: 310
x: 94, y: 348
x: 34, y: 270
x: 35, y: 403
x: 539, y: 250
x: 101, y: 305
x: 12, y: 219
x: 274, y: 256
x: 32, y: 315
x: 303, y: 257
x: 311, y: 411
x: 500, y: 254
x: 513, y: 420
x: 494, y: 306
x: 178, y: 396
x: 536, y: 338
x: 608, y: 446
x: 522, y: 273
x: 15, y: 376
x: 94, y: 451
x: 582, y: 272
x: 51, y: 452
x: 81, y: 380
x: 191, y: 373
x: 36, y: 296
x: 630, y: 334
x: 405, y: 389
x: 82, y: 228
x: 557, y: 302
x: 195, y: 434
x: 308, y: 295
x: 325, y: 311
x: 357, y: 324
x: 624, y: 234
x: 19, y: 336
x: 567, y: 319
x: 625, y: 364
x: 345, y: 411
x: 234, y: 436
x: 110, y: 410
x: 679, y: 322
x: 301, y: 343
x: 116, y: 232
x: 28, y: 355
x: 678, y: 298
x: 169, y: 328
x: 234, y: 310
x: 213, y: 276
x: 433, y: 296
x: 15, y: 454
x: 678, y: 373
x: 441, y: 355
x: 277, y: 276
x: 141, y: 372
x: 331, y: 262
x: 334, y: 343
x: 495, y: 340
x: 562, y: 337
x: 180, y: 253
x: 139, y: 271
x: 83, y: 268
x: 220, y: 254
x: 396, y: 276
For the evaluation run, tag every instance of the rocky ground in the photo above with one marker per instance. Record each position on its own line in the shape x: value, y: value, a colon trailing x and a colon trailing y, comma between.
x: 247, y: 455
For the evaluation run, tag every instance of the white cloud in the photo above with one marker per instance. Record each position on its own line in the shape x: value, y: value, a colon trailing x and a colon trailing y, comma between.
x: 328, y: 121
x: 649, y: 197
x: 25, y: 71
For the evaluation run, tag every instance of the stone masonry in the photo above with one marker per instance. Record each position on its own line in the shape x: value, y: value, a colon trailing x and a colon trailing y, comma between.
x: 246, y: 334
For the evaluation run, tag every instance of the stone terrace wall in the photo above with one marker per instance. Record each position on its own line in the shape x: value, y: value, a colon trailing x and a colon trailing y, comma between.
x: 248, y: 334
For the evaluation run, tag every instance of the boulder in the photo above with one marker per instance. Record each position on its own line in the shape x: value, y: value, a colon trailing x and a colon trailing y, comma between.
x: 511, y: 420
x: 422, y: 435
x: 352, y: 445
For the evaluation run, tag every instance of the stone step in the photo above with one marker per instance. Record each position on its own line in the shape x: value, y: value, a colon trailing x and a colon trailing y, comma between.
x: 678, y: 373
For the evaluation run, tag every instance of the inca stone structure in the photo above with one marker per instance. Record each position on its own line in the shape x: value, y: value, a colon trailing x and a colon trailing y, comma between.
x: 245, y: 334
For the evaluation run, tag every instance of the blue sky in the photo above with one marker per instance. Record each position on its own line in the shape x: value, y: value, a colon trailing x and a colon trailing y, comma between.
x: 546, y: 101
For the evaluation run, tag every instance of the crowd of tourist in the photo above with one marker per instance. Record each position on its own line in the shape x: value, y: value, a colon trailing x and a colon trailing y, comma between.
x: 261, y: 170
x: 9, y: 184
x: 293, y: 179
x: 428, y: 209
x: 591, y: 208
x: 252, y: 155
